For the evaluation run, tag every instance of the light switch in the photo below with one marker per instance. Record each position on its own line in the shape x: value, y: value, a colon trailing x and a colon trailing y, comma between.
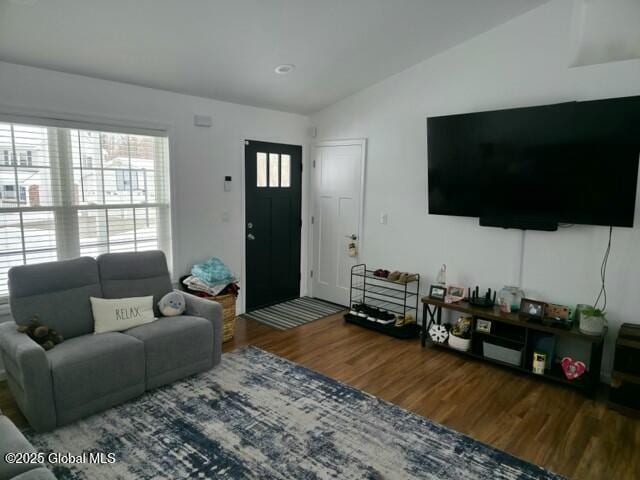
x: 227, y: 183
x: 226, y: 216
x: 383, y: 218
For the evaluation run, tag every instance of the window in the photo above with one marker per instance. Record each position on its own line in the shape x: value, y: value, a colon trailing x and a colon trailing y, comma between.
x: 9, y: 191
x: 261, y: 163
x: 274, y: 171
x: 285, y: 170
x: 129, y: 180
x: 80, y: 192
x: 278, y: 170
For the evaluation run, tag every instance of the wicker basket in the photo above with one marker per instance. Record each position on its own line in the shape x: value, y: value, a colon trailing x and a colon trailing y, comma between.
x: 228, y: 303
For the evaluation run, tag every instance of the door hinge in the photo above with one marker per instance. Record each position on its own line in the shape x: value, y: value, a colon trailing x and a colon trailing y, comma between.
x: 300, y: 223
x: 314, y: 164
x: 313, y: 220
x: 311, y: 274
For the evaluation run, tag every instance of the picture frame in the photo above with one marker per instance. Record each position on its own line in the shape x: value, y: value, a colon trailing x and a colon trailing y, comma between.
x: 560, y: 312
x: 455, y: 293
x: 437, y: 292
x: 483, y: 326
x: 532, y: 310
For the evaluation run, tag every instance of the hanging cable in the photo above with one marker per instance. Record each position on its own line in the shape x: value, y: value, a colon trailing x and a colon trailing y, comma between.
x: 603, y: 275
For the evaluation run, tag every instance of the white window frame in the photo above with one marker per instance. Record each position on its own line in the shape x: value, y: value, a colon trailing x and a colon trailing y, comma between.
x: 12, y: 115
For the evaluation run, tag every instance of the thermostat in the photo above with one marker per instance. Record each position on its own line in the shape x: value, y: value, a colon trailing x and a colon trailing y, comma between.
x: 227, y: 183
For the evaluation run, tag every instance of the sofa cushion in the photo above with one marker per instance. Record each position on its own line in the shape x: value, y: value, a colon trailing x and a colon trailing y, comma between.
x: 92, y: 366
x: 173, y: 343
x: 135, y: 274
x: 57, y: 293
x: 118, y: 314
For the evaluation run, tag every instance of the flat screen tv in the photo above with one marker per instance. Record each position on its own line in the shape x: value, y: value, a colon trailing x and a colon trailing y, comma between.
x: 536, y: 167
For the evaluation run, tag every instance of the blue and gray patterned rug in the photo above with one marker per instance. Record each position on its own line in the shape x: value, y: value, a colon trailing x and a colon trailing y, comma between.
x: 258, y: 415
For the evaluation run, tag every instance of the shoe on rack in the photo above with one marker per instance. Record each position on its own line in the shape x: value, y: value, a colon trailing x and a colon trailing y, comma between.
x: 358, y: 309
x: 394, y: 276
x: 407, y: 277
x: 374, y: 313
x: 386, y: 318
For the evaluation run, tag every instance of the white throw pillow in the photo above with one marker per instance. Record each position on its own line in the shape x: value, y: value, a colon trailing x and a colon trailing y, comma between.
x: 118, y: 314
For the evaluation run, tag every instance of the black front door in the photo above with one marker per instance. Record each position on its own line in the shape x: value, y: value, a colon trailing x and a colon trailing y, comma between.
x: 273, y: 176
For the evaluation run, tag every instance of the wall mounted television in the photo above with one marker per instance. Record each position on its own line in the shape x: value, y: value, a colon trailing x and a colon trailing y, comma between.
x: 537, y: 167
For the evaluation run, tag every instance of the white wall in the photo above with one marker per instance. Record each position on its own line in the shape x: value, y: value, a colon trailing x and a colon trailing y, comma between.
x: 521, y: 63
x: 201, y: 157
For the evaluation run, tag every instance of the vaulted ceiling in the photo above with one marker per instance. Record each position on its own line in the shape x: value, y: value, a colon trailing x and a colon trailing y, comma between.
x: 228, y: 49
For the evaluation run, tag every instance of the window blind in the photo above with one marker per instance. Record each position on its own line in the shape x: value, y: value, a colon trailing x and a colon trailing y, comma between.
x: 67, y: 192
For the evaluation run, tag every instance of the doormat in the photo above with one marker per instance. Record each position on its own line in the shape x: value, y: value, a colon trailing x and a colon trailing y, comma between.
x: 293, y: 313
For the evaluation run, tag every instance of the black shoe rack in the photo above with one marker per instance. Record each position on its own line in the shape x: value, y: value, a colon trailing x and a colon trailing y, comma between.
x: 384, y: 295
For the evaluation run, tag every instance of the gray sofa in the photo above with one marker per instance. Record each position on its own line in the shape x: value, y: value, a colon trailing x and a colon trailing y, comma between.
x: 88, y: 373
x: 12, y: 441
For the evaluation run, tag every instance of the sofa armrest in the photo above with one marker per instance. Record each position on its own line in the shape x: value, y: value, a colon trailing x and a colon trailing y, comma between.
x: 29, y: 376
x: 212, y: 311
x: 13, y: 441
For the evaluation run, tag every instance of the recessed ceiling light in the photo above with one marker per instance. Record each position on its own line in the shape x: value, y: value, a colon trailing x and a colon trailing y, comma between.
x: 284, y: 68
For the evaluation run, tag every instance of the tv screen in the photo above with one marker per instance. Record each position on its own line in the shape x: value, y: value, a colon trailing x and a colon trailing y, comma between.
x: 572, y: 162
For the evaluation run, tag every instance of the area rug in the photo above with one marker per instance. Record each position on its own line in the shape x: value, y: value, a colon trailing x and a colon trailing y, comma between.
x: 259, y: 416
x: 294, y: 313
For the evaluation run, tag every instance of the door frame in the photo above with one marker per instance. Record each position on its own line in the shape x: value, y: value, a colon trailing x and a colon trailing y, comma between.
x: 362, y: 142
x: 305, y: 230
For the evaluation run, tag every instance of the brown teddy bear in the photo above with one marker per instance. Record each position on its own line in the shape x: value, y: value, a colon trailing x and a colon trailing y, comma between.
x: 44, y: 336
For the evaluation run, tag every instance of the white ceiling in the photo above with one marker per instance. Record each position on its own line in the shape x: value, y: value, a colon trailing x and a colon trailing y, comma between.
x: 227, y: 49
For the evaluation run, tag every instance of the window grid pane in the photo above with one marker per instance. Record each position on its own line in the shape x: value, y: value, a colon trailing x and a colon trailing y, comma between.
x: 274, y: 170
x: 261, y: 165
x: 285, y: 170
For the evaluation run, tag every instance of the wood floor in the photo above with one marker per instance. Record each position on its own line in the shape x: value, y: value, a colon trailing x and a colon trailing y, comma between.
x: 544, y: 423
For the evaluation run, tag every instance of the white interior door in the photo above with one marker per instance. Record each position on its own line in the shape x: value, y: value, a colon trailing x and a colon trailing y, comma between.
x: 337, y: 219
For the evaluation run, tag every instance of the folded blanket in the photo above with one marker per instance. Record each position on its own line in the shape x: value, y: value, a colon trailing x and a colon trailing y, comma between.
x: 194, y: 283
x: 213, y: 272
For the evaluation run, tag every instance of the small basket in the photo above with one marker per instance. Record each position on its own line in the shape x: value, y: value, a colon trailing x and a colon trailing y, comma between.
x: 462, y: 344
x: 228, y: 303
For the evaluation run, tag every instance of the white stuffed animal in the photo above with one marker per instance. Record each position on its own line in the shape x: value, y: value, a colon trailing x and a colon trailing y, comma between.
x: 172, y: 304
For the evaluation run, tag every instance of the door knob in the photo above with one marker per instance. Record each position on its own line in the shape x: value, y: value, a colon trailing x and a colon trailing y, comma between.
x: 353, y: 237
x: 251, y: 236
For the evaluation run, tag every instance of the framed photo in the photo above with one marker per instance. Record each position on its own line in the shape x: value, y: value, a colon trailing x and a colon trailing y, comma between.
x: 454, y: 294
x: 483, y: 326
x: 556, y: 311
x: 455, y: 291
x: 532, y: 309
x: 437, y: 292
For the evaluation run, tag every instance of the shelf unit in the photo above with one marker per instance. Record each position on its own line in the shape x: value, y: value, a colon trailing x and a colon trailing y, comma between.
x: 624, y: 394
x: 521, y: 334
x: 393, y: 296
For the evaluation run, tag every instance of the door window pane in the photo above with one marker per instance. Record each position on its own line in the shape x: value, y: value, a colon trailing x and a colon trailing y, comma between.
x: 285, y: 170
x: 274, y: 170
x: 261, y: 162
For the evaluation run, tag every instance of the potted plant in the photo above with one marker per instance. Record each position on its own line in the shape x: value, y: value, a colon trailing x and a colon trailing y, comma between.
x: 592, y: 321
